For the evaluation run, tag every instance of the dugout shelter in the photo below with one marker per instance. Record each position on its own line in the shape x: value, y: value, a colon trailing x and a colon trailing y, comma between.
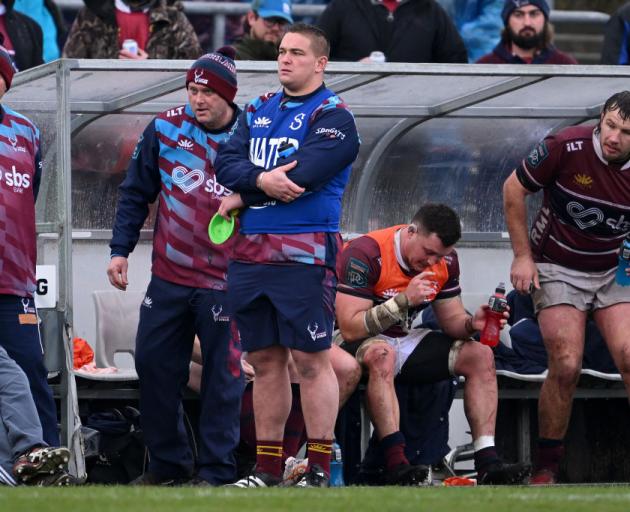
x: 429, y: 132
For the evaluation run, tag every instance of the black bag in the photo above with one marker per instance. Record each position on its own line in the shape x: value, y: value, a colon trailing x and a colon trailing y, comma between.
x: 116, y: 454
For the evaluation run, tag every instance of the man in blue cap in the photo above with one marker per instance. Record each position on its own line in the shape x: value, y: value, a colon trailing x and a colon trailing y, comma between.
x: 264, y: 26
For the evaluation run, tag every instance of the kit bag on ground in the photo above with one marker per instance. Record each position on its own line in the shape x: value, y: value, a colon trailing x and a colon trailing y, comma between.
x: 114, y: 449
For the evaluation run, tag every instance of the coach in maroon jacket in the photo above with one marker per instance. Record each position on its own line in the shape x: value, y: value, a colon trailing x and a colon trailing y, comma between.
x: 569, y: 257
x: 526, y: 38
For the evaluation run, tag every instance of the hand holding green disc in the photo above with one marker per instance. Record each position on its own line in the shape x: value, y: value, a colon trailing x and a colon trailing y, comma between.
x: 219, y: 229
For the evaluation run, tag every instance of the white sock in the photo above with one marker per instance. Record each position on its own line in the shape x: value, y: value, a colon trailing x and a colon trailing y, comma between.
x: 483, y: 442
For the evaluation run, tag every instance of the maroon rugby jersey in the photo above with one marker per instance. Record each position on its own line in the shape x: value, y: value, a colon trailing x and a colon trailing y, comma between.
x: 586, y: 205
x: 20, y: 171
x: 366, y: 271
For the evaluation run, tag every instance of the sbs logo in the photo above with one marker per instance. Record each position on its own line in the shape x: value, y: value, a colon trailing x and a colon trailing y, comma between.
x: 15, y: 179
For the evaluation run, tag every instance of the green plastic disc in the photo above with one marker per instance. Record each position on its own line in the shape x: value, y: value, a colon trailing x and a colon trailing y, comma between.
x: 219, y: 229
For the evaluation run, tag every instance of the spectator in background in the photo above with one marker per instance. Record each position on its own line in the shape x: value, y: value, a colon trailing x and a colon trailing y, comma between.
x: 616, y: 49
x: 264, y: 26
x: 47, y: 15
x: 404, y: 30
x: 527, y: 36
x: 161, y: 30
x: 21, y: 36
x: 478, y: 22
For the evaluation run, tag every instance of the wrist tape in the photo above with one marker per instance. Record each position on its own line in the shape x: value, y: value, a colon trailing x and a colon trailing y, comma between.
x: 383, y: 316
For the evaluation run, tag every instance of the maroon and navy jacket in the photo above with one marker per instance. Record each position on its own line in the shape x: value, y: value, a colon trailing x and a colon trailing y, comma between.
x: 585, y: 213
x: 20, y: 174
x: 174, y: 159
x: 502, y: 55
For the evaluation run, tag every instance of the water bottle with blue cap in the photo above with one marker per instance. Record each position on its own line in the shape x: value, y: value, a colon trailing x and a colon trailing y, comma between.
x: 622, y: 276
x: 336, y: 467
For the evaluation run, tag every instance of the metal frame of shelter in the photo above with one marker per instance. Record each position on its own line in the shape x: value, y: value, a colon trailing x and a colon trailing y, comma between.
x: 78, y: 92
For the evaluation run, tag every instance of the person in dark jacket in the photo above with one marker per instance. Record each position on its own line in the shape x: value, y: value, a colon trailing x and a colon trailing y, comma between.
x: 21, y: 36
x: 160, y: 28
x: 616, y: 49
x: 527, y: 36
x: 404, y: 30
x: 48, y: 17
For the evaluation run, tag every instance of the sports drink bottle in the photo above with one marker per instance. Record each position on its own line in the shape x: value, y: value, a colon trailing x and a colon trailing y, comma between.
x: 497, y: 306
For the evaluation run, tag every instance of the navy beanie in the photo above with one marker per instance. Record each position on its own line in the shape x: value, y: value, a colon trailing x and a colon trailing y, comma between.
x: 7, y: 70
x: 216, y: 71
x: 511, y: 5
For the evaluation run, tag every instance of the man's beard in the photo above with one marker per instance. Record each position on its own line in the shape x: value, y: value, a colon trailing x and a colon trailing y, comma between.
x: 527, y: 42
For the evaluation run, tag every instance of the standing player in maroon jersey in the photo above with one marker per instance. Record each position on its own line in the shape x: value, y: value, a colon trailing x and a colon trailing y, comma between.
x: 569, y: 256
x: 20, y: 174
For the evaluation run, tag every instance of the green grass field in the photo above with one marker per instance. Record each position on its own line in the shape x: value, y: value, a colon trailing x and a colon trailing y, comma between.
x: 350, y: 499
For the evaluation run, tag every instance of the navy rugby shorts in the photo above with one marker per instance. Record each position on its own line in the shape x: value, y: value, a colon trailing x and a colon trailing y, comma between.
x: 288, y: 305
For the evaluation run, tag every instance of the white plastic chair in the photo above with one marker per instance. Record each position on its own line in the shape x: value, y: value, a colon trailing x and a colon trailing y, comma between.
x: 117, y: 315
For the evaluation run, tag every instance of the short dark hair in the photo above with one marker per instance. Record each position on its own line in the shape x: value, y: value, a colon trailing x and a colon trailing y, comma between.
x: 318, y: 38
x: 439, y: 219
x: 618, y: 101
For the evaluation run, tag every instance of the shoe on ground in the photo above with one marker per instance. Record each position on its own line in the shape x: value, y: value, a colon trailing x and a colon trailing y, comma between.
x: 198, y: 482
x: 256, y: 479
x: 501, y: 473
x: 407, y: 475
x: 150, y: 478
x: 42, y: 460
x: 60, y: 478
x: 543, y: 477
x: 314, y: 477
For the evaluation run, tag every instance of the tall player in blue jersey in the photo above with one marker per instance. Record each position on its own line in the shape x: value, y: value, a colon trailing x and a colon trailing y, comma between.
x: 281, y: 280
x: 186, y: 296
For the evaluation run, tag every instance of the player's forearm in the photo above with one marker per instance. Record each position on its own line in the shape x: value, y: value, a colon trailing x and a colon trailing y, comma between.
x: 516, y: 218
x: 460, y: 327
x: 354, y: 328
x: 232, y: 165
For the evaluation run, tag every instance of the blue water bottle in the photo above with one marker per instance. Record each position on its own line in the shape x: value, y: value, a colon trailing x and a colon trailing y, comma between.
x: 336, y: 467
x: 622, y: 277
